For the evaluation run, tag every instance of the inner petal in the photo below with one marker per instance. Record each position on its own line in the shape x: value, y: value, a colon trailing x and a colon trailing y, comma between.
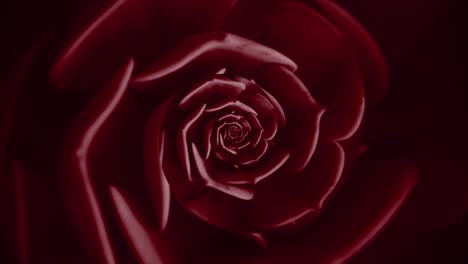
x: 234, y: 131
x: 268, y: 111
x: 241, y: 192
x: 182, y: 142
x: 209, y: 92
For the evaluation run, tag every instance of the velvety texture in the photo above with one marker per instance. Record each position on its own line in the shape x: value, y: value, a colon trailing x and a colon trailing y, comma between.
x: 200, y: 132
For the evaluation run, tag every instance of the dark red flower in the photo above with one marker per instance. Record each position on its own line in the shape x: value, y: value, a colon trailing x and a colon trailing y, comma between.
x: 247, y: 114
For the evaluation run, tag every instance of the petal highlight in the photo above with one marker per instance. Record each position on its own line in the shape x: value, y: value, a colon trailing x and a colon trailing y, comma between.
x: 78, y: 174
x: 139, y: 235
x: 223, y: 49
x: 303, y: 114
x: 154, y: 139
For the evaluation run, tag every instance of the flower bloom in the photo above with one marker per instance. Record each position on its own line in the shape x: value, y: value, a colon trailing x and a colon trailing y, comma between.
x: 250, y: 121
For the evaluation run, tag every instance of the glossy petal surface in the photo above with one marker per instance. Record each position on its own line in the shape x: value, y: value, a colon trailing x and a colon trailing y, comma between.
x: 283, y: 199
x: 153, y: 157
x: 221, y: 50
x: 370, y: 59
x: 299, y: 135
x: 139, y: 236
x: 83, y: 197
x: 362, y: 220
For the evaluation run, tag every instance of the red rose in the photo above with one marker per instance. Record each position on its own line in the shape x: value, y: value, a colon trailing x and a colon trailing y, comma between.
x: 247, y: 115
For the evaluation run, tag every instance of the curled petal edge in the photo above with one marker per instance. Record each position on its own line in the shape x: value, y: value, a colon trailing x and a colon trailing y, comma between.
x: 153, y: 157
x: 182, y: 140
x: 233, y: 50
x: 139, y: 235
x: 370, y: 58
x: 79, y: 163
x: 230, y: 87
x: 235, y: 191
x: 79, y: 51
x: 273, y: 78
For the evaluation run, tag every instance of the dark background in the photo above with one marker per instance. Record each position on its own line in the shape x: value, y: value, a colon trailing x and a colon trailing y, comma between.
x: 425, y: 115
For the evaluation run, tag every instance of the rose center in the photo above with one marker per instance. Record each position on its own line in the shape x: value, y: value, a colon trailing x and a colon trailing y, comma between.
x: 234, y: 132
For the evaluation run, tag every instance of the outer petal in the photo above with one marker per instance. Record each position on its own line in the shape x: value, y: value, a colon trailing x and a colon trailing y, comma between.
x: 233, y: 105
x: 370, y: 59
x: 215, y: 50
x: 265, y: 167
x: 153, y: 156
x: 283, y: 199
x: 139, y: 235
x: 355, y: 217
x: 183, y: 18
x: 303, y: 114
x: 101, y: 46
x: 183, y: 144
x: 326, y: 63
x: 211, y: 91
x: 79, y: 184
x: 245, y: 17
x: 227, y: 211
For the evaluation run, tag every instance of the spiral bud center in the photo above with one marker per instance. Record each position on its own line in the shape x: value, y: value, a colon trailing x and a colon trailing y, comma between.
x: 234, y: 132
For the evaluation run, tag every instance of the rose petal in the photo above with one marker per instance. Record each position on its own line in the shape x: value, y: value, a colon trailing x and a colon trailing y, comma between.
x: 248, y: 175
x: 153, y: 157
x: 101, y: 46
x: 191, y: 17
x: 140, y: 237
x: 262, y: 105
x: 241, y: 192
x: 225, y: 211
x: 370, y: 59
x: 207, y: 137
x: 303, y: 113
x: 244, y: 156
x: 217, y: 137
x: 253, y: 155
x: 236, y: 142
x: 283, y: 199
x: 214, y: 90
x: 232, y: 118
x: 222, y: 49
x: 233, y: 105
x: 176, y: 174
x: 356, y: 216
x: 326, y: 64
x: 280, y: 115
x: 223, y: 146
x: 77, y: 171
x: 212, y: 135
x: 259, y: 239
x: 218, y: 209
x: 256, y: 129
x: 135, y: 28
x: 182, y: 142
x: 319, y: 49
x: 244, y: 18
